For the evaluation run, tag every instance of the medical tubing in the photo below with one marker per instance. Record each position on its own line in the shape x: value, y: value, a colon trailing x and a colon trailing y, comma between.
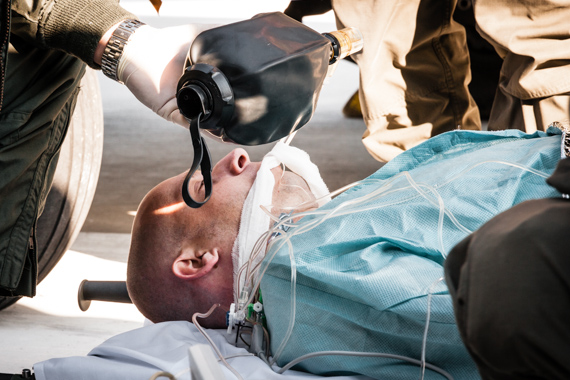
x: 257, y: 249
x: 237, y: 281
x: 187, y: 369
x: 564, y: 147
x: 293, y: 310
x: 441, y: 210
x: 245, y: 267
x: 439, y: 203
x: 317, y: 201
x: 432, y: 189
x: 258, y: 281
x: 258, y: 246
x: 284, y: 221
x: 182, y: 372
x: 287, y: 139
x: 285, y: 238
x: 440, y: 200
x: 237, y: 356
x: 345, y: 205
x: 326, y: 215
x: 513, y: 164
x: 422, y: 363
x: 206, y: 315
x: 424, y: 340
x: 267, y: 342
x: 162, y: 374
x: 363, y: 354
x: 372, y: 207
x: 447, y: 212
x: 293, y: 300
x: 451, y: 179
x: 347, y: 208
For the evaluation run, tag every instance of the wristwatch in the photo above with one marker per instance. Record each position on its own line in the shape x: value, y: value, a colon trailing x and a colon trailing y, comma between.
x: 114, y: 49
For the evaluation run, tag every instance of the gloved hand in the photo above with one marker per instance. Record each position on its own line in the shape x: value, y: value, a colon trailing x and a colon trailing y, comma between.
x: 152, y: 63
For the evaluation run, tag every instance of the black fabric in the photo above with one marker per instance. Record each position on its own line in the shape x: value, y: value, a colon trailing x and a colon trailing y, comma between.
x: 510, y: 285
x: 560, y: 179
x: 4, y: 34
x: 9, y: 376
x: 298, y: 9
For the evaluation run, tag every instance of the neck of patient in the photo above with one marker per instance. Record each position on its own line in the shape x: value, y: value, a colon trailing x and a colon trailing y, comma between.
x: 291, y: 194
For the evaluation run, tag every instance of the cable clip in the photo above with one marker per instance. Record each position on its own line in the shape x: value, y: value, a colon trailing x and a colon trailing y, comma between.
x: 234, y: 317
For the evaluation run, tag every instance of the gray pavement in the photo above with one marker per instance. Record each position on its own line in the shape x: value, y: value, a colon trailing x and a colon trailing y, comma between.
x: 140, y: 150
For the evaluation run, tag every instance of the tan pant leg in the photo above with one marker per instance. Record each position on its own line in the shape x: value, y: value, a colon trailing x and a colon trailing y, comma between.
x: 414, y: 72
x: 533, y: 38
x: 510, y: 112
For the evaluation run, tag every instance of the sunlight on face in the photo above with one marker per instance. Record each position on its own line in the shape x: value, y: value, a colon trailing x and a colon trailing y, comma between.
x: 169, y: 209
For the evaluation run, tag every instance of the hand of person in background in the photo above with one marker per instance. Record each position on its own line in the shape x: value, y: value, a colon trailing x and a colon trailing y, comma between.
x: 152, y: 63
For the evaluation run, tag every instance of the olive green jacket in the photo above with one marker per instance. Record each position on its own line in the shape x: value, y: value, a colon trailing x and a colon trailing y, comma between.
x: 45, y: 45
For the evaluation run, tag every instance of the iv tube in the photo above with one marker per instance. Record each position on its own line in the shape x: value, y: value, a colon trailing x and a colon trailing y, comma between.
x: 212, y: 344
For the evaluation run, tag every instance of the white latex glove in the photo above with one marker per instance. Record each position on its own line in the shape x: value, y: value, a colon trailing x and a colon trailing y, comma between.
x: 152, y: 63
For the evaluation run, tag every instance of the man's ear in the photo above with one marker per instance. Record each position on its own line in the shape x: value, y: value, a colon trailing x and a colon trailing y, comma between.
x: 191, y: 265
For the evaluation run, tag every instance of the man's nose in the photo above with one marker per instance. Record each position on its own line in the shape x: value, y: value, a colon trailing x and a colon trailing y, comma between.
x: 241, y: 159
x: 233, y: 163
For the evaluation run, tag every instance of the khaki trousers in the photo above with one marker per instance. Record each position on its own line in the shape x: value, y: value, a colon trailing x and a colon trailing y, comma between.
x: 414, y: 68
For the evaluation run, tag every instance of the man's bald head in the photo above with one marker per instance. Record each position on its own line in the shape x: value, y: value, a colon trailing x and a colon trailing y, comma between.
x: 180, y: 258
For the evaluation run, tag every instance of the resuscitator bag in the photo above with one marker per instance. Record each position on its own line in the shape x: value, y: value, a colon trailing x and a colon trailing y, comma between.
x: 367, y: 264
x: 259, y: 79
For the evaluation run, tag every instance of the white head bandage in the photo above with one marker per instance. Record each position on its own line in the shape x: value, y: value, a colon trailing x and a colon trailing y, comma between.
x: 254, y: 221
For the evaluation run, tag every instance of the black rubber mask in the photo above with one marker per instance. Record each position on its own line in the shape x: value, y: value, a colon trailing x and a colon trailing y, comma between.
x: 250, y: 83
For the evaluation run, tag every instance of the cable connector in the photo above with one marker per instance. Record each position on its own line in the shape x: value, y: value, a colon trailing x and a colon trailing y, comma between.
x: 234, y: 317
x: 230, y: 318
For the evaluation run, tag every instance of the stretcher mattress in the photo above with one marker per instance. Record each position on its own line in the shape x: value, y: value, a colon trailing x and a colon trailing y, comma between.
x: 140, y: 353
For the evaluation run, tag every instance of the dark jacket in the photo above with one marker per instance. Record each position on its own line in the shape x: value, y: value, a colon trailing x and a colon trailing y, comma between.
x: 4, y: 35
x: 34, y: 114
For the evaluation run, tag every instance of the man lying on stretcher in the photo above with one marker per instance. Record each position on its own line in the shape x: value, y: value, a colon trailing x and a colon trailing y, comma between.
x: 360, y: 273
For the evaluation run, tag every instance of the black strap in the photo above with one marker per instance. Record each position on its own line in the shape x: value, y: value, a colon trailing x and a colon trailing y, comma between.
x: 299, y: 9
x: 202, y: 159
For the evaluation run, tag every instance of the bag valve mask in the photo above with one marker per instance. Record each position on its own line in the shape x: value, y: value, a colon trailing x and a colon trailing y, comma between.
x: 254, y: 82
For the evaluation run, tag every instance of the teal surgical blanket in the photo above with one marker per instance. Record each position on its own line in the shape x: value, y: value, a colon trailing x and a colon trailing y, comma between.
x: 365, y: 263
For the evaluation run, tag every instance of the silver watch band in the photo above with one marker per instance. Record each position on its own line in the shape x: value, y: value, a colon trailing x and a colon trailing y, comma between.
x: 115, y: 46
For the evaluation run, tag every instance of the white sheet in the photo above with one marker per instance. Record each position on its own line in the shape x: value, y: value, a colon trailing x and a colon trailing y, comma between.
x: 140, y: 353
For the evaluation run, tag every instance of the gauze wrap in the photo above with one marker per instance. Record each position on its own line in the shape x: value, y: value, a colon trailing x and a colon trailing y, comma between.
x: 254, y: 221
x: 365, y: 263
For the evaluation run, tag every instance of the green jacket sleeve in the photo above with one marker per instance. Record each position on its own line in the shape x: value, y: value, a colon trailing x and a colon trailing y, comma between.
x: 74, y: 26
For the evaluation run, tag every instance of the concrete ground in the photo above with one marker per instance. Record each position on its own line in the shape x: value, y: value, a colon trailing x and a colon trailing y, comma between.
x: 140, y: 150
